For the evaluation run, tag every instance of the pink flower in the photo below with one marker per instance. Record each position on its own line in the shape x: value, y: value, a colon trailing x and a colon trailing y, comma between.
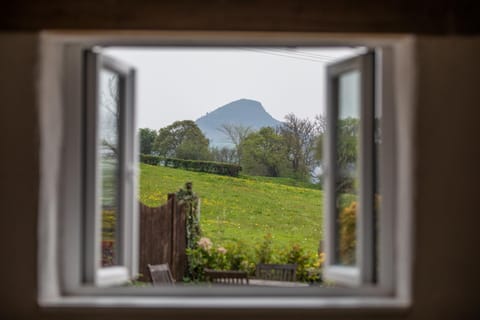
x: 221, y: 250
x: 205, y: 243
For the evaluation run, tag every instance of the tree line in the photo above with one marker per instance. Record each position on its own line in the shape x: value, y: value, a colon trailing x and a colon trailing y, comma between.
x: 292, y: 149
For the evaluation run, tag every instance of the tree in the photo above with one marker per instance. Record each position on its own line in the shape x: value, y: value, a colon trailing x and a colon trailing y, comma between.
x: 223, y: 154
x: 347, y: 140
x: 236, y: 134
x: 109, y: 115
x: 347, y: 144
x: 300, y: 136
x: 321, y: 124
x: 347, y: 151
x: 264, y: 153
x: 183, y: 140
x: 318, y: 153
x: 147, y: 139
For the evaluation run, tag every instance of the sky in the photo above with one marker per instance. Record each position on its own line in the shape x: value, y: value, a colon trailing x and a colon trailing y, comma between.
x: 186, y: 83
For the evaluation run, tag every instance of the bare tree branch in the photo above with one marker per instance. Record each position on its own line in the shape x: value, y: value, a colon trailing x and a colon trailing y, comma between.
x: 236, y: 134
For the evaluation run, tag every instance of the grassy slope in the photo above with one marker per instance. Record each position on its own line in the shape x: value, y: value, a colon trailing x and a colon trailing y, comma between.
x: 242, y: 208
x: 282, y: 180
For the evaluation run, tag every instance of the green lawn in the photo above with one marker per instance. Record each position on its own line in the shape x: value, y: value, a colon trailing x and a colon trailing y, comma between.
x: 243, y: 208
x: 109, y: 198
x: 285, y: 181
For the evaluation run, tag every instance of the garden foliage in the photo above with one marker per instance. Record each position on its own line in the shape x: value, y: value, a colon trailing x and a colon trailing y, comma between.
x: 190, y: 200
x: 183, y: 140
x: 227, y: 169
x: 238, y: 256
x: 347, y: 223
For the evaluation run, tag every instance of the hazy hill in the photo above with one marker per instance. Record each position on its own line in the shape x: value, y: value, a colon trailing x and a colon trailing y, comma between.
x: 244, y: 112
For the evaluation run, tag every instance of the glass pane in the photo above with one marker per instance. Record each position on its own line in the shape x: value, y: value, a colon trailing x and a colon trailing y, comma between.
x: 347, y: 151
x: 109, y: 163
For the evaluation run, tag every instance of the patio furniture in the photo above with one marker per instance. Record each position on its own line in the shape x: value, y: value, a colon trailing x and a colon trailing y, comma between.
x: 226, y: 277
x: 278, y: 272
x: 161, y: 275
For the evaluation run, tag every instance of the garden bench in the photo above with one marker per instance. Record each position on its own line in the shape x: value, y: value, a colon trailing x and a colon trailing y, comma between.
x: 161, y: 275
x: 226, y: 277
x: 279, y: 272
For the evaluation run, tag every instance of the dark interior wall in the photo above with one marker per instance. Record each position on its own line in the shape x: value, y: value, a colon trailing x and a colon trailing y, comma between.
x: 19, y: 174
x: 419, y: 16
x: 447, y: 131
x: 447, y: 216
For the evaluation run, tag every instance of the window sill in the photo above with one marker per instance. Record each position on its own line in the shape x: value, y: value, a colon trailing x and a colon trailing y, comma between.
x: 389, y: 305
x: 112, y: 276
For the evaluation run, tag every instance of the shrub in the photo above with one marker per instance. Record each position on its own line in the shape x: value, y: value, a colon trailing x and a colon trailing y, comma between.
x: 265, y: 251
x: 347, y: 240
x: 308, y: 263
x: 238, y: 256
x: 207, y: 256
x: 190, y: 200
x: 150, y: 159
x: 226, y: 169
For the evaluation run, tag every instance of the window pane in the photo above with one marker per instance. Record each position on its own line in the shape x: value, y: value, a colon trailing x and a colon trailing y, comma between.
x: 109, y: 163
x: 347, y: 156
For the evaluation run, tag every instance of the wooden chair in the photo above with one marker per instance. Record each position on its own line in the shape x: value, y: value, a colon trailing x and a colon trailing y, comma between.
x: 279, y: 272
x: 227, y: 277
x: 161, y: 275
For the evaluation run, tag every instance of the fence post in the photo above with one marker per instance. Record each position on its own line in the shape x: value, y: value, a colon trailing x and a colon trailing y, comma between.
x: 172, y: 200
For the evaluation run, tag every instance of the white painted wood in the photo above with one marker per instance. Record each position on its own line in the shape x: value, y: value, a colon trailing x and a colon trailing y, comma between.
x: 405, y: 109
x: 365, y: 214
x: 66, y: 245
x: 268, y: 305
x: 387, y: 172
x: 51, y: 128
x: 344, y: 275
x: 127, y: 220
x: 132, y: 218
x: 112, y: 276
x: 71, y: 175
x: 362, y: 272
x: 91, y: 237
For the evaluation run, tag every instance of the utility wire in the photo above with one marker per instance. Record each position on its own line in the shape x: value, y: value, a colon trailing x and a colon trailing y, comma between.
x: 275, y: 53
x: 297, y: 55
x: 309, y: 54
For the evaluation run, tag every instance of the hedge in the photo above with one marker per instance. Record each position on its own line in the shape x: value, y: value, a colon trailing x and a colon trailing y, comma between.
x: 149, y: 159
x: 222, y: 168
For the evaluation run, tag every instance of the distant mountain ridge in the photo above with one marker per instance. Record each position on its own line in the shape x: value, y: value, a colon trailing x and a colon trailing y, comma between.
x: 243, y: 112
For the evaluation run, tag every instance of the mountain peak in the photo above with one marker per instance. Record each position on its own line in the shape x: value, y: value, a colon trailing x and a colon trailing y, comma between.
x: 242, y: 112
x: 235, y: 108
x: 244, y: 103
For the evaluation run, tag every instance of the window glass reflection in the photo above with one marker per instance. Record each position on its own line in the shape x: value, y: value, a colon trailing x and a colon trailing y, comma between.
x: 109, y: 163
x: 347, y: 151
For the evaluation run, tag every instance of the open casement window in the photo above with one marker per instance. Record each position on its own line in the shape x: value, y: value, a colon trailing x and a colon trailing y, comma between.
x: 110, y: 235
x: 350, y: 172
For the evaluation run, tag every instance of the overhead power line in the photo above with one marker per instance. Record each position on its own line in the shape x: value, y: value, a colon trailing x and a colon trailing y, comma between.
x: 285, y: 55
x: 310, y: 54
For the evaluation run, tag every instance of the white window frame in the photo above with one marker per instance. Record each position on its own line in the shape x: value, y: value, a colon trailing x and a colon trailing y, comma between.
x: 372, y: 268
x: 75, y: 292
x: 362, y: 272
x: 126, y: 234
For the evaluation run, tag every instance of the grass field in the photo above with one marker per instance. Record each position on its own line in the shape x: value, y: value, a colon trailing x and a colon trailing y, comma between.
x: 243, y: 208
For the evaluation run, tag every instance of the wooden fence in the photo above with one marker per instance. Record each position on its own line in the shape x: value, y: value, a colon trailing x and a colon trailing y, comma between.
x: 163, y: 237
